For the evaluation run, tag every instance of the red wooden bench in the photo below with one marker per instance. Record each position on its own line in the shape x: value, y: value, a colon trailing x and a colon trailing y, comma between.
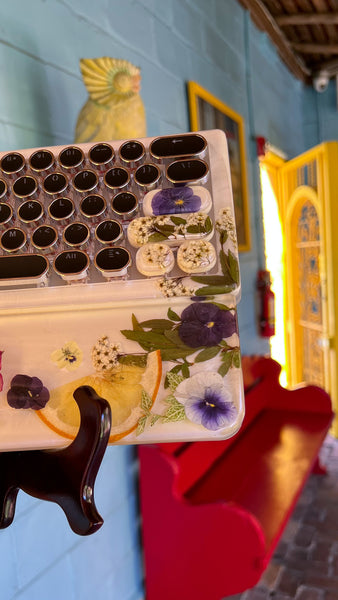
x: 213, y: 512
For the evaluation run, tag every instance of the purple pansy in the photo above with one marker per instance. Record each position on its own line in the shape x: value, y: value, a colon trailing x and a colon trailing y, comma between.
x: 206, y: 400
x: 27, y: 392
x: 206, y: 325
x: 175, y: 200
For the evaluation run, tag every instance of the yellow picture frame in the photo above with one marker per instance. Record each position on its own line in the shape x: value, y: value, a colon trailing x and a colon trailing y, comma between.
x: 208, y: 112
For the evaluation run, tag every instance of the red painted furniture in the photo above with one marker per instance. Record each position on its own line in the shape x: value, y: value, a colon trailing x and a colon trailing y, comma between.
x: 213, y: 512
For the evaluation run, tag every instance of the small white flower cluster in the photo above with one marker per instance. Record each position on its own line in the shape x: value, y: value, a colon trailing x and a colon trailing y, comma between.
x: 173, y: 287
x: 158, y: 254
x: 141, y: 229
x: 105, y: 355
x: 225, y: 223
x: 197, y: 254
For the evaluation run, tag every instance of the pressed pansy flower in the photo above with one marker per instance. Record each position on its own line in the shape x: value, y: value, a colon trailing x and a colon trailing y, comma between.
x: 206, y: 324
x: 206, y: 400
x: 68, y: 357
x: 175, y: 200
x: 27, y: 392
x: 105, y: 355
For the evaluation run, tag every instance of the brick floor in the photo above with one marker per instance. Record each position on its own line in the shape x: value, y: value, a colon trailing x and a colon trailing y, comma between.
x: 305, y: 563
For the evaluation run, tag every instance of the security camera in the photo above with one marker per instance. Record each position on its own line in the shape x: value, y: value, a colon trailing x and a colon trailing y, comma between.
x: 321, y: 81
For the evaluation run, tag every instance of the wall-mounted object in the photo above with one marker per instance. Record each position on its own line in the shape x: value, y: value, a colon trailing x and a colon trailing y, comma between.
x: 208, y: 112
x: 114, y: 109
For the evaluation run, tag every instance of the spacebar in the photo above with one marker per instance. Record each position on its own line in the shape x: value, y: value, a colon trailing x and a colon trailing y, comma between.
x: 22, y: 269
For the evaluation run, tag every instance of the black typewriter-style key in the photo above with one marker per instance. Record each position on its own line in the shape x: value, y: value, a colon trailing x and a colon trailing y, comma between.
x: 44, y: 238
x: 6, y: 214
x: 76, y: 234
x: 178, y: 145
x: 147, y: 176
x: 101, y: 155
x: 71, y: 264
x: 117, y: 178
x: 31, y: 212
x: 187, y: 171
x: 41, y: 161
x: 3, y: 190
x: 125, y: 205
x: 28, y: 267
x: 108, y: 232
x: 92, y: 206
x: 61, y: 209
x: 71, y: 158
x: 55, y: 183
x: 85, y: 181
x: 132, y: 153
x: 13, y: 164
x: 25, y: 187
x: 113, y: 262
x: 13, y: 239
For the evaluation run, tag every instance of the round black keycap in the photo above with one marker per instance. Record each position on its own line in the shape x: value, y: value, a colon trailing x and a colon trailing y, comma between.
x: 147, y: 174
x: 61, y: 208
x: 13, y: 239
x: 182, y: 171
x: 12, y: 162
x: 3, y: 188
x: 101, y: 154
x: 112, y: 259
x: 25, y: 186
x: 177, y: 145
x: 76, y: 234
x: 71, y: 157
x: 55, y: 183
x: 30, y: 211
x: 41, y: 160
x: 93, y: 205
x: 6, y: 213
x: 116, y: 177
x: 108, y: 231
x: 44, y: 237
x: 85, y: 181
x: 71, y: 262
x: 124, y: 203
x: 131, y: 151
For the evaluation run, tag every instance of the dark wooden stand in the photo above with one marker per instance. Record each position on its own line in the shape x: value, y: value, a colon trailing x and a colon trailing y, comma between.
x: 66, y: 476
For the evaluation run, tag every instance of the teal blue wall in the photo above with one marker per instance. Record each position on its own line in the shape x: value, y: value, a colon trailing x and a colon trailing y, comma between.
x: 214, y: 43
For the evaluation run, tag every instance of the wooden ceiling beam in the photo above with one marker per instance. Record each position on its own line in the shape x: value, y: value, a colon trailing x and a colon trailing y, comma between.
x: 311, y: 48
x: 308, y: 19
x: 266, y: 22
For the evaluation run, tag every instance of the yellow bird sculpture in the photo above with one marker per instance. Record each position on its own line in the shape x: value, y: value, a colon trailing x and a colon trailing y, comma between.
x: 114, y: 109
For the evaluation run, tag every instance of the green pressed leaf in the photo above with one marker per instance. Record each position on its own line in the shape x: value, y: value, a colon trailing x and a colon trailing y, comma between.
x: 178, y: 220
x: 236, y: 359
x: 172, y: 315
x: 135, y: 323
x: 165, y: 229
x: 175, y: 369
x: 146, y: 402
x: 185, y: 371
x: 157, y: 237
x: 175, y: 412
x: 141, y: 424
x: 138, y: 360
x: 213, y: 290
x: 207, y: 353
x: 154, y: 419
x: 221, y: 306
x: 209, y: 279
x: 175, y: 353
x: 208, y: 225
x: 157, y: 324
x: 149, y: 338
x: 223, y: 236
x: 233, y: 266
x: 174, y: 380
x: 226, y: 363
x: 196, y: 229
x: 174, y: 337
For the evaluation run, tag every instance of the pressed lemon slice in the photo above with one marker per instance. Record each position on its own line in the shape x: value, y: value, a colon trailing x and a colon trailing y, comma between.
x: 123, y: 390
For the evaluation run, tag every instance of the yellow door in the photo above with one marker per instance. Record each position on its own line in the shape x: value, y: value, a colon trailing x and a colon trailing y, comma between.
x: 307, y: 303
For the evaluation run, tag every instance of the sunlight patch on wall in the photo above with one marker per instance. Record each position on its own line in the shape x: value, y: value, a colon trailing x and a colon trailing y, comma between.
x: 274, y: 251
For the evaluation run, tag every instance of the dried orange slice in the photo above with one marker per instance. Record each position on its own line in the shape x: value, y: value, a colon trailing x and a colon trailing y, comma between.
x: 123, y: 390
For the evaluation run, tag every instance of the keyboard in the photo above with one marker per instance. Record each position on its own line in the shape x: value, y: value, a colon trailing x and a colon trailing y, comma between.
x: 119, y: 267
